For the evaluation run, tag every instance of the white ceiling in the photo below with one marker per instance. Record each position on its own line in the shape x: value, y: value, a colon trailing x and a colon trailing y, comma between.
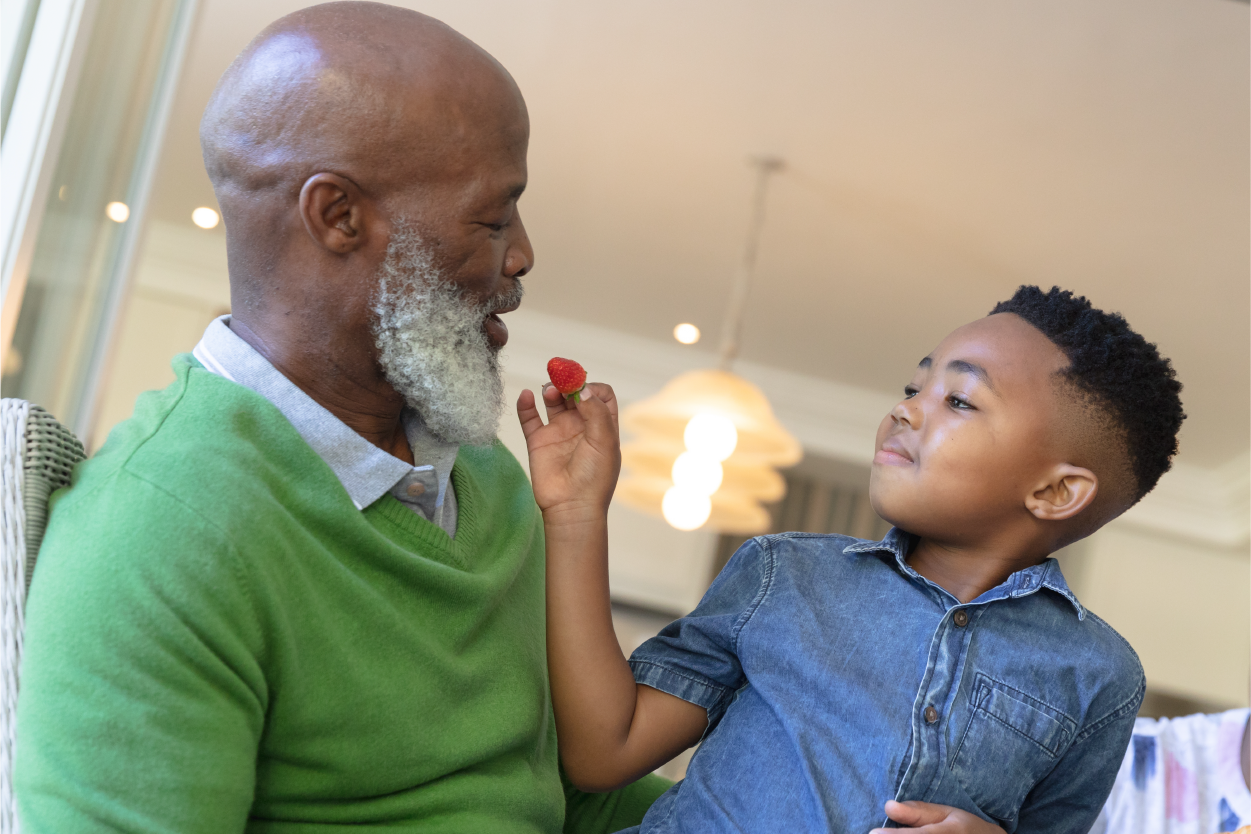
x: 940, y: 152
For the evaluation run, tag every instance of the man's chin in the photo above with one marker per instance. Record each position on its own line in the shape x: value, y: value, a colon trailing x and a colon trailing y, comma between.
x: 482, y: 430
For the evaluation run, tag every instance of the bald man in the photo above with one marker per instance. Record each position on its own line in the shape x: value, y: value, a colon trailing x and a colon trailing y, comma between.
x: 302, y: 587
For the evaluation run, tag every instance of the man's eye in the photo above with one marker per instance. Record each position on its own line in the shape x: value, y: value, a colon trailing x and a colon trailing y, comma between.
x: 495, y: 227
x: 911, y: 391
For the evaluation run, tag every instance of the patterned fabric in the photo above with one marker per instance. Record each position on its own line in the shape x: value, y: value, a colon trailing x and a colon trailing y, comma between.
x: 1181, y: 776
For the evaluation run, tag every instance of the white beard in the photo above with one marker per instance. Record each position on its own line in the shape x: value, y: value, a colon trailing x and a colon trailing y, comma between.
x: 432, y: 345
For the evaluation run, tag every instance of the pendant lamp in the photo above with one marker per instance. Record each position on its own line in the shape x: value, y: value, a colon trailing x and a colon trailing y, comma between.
x: 706, y: 448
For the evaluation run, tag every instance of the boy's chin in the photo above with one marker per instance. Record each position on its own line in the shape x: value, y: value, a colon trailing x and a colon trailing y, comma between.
x: 914, y: 517
x: 886, y: 509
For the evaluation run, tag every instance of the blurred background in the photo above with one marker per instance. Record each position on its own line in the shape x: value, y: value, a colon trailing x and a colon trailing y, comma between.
x: 937, y: 155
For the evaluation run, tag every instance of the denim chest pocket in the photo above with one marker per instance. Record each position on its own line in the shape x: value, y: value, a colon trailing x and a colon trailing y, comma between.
x: 1011, y: 742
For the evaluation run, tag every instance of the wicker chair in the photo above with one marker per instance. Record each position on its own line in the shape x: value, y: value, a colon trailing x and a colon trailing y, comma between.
x: 38, y: 456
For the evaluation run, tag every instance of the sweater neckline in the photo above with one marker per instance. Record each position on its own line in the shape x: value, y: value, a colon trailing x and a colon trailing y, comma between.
x: 468, y: 497
x: 431, y: 534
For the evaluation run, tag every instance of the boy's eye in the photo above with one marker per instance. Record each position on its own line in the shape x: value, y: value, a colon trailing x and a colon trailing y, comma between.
x: 911, y: 391
x: 956, y: 401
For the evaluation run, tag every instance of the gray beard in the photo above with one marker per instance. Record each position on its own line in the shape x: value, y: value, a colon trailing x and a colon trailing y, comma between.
x: 432, y: 345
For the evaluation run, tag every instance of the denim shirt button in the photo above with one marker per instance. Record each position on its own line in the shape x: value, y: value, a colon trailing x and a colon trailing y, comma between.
x: 960, y: 618
x: 931, y: 715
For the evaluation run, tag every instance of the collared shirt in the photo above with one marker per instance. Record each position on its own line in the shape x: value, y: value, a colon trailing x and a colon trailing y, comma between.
x: 836, y: 677
x: 366, y: 472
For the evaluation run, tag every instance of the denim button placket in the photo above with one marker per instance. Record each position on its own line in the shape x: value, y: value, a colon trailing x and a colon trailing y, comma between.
x: 960, y: 618
x: 931, y: 715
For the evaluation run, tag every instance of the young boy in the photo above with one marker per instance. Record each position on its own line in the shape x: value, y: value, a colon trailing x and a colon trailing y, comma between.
x: 948, y: 663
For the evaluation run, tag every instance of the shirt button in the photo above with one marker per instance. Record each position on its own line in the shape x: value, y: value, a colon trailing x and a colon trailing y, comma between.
x: 931, y: 715
x: 416, y: 489
x: 960, y: 618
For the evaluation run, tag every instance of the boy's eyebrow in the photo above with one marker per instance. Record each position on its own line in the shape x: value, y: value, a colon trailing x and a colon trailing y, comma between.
x: 961, y: 366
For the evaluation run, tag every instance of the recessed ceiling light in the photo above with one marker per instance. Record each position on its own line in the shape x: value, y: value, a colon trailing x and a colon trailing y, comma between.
x: 205, y: 217
x: 687, y: 334
x: 117, y: 212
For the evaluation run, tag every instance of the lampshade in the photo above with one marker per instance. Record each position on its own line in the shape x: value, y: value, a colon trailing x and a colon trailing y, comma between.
x: 664, y: 417
x: 681, y: 421
x: 731, y: 512
x: 654, y: 458
x: 706, y: 448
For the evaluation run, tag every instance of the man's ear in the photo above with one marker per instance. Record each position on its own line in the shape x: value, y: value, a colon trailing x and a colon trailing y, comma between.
x: 1068, y: 491
x: 334, y: 212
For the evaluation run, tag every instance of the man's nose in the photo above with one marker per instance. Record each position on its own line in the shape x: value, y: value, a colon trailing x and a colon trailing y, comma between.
x: 519, y: 259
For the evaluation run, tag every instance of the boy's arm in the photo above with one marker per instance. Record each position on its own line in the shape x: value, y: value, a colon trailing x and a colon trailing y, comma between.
x: 1070, y: 797
x: 611, y: 730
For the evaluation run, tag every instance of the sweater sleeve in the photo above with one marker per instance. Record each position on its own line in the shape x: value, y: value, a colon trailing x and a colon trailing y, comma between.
x: 142, y: 698
x: 601, y: 813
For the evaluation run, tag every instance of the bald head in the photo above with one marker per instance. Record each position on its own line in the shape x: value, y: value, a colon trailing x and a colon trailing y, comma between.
x: 352, y: 88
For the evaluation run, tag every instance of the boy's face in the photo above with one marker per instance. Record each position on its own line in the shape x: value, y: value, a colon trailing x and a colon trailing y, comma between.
x: 973, y: 436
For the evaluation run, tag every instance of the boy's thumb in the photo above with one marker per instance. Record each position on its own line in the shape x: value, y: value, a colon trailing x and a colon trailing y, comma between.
x: 914, y: 813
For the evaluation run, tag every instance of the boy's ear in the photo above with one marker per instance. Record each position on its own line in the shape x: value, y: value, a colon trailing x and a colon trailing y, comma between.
x: 1068, y: 491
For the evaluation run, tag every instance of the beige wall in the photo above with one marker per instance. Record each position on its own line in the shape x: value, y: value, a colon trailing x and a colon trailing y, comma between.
x: 1185, y: 607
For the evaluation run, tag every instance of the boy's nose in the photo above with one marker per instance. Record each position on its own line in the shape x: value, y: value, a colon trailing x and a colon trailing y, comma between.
x: 906, y: 411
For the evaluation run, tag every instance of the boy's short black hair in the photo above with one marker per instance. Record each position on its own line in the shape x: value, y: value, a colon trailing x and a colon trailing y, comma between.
x: 1121, y: 372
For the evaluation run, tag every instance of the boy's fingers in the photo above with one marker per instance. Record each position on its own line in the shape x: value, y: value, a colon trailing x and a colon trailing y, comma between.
x: 528, y: 413
x: 604, y: 393
x: 915, y: 813
x: 553, y: 401
x: 920, y: 816
x: 601, y: 428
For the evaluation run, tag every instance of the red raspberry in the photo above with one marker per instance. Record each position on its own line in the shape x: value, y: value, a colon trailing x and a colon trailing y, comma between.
x: 568, y: 376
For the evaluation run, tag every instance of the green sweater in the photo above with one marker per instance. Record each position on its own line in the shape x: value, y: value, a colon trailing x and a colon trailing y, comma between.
x: 217, y: 640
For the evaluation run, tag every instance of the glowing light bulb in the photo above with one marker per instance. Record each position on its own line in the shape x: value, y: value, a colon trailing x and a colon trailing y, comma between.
x: 205, y: 217
x: 117, y: 212
x: 697, y: 473
x: 711, y: 435
x: 685, y: 509
x: 687, y: 334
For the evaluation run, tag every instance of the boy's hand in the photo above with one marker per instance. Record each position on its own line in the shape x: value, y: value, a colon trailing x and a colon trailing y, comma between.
x: 936, y: 819
x: 576, y: 457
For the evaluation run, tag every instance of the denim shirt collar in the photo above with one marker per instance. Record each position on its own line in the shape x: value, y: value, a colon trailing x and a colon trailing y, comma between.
x: 1024, y: 582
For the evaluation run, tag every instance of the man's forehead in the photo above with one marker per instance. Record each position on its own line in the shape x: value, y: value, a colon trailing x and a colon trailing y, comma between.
x: 376, y: 90
x: 1008, y: 347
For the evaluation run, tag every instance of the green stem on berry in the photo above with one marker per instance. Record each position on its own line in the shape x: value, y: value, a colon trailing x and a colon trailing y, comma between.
x: 576, y: 396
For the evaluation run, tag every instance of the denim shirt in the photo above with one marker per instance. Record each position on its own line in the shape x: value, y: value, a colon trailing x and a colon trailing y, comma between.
x: 836, y: 678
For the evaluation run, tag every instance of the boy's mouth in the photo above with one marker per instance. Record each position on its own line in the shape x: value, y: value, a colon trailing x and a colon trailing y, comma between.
x: 892, y: 454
